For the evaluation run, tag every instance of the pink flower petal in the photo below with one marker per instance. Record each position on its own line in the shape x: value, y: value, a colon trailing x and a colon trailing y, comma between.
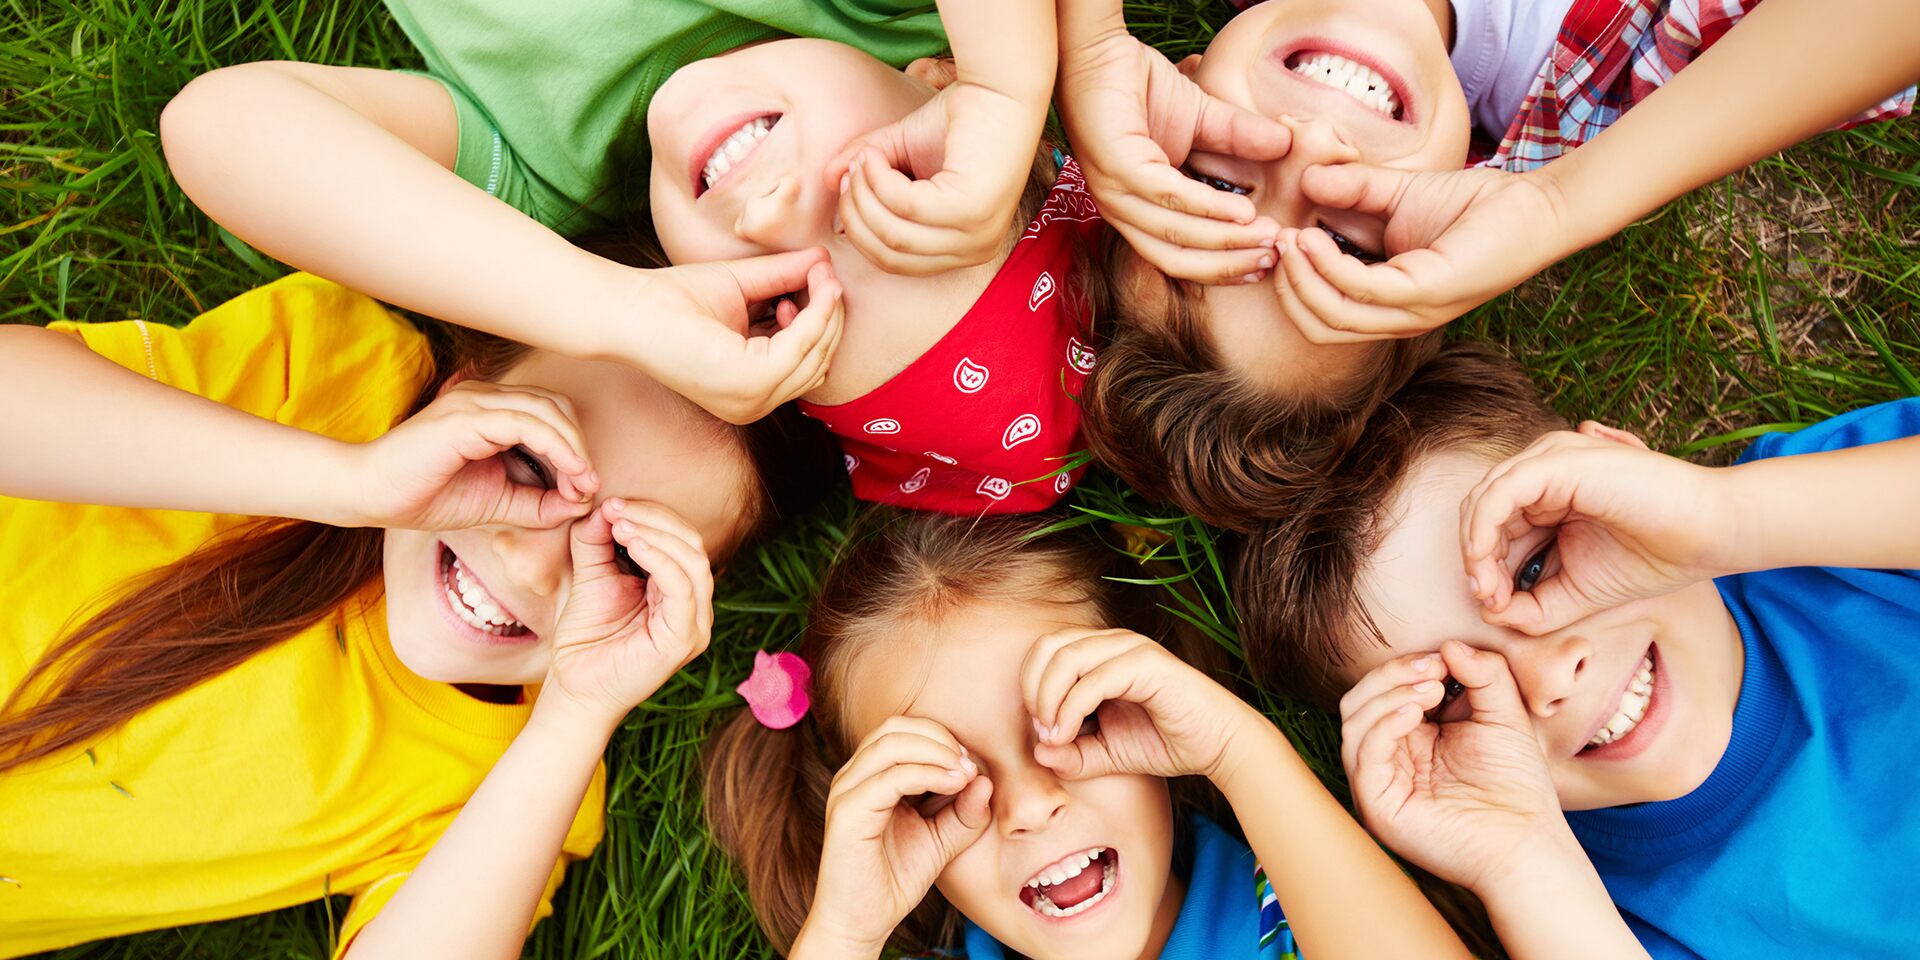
x: 780, y: 690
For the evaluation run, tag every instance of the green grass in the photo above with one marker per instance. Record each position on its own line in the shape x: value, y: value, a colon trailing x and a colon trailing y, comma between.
x: 1779, y: 296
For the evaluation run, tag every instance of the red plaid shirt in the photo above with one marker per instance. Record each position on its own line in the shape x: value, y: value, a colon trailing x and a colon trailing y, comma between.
x: 1609, y: 56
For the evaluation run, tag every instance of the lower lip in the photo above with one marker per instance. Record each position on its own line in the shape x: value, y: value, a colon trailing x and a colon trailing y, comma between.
x: 1113, y: 893
x: 1324, y: 45
x: 1643, y: 734
x: 441, y: 571
x: 704, y: 147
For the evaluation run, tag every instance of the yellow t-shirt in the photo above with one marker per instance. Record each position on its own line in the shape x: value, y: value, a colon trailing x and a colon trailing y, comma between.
x: 322, y: 766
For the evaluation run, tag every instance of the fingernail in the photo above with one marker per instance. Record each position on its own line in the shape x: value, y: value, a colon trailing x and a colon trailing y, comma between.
x: 1283, y: 247
x: 1039, y: 729
x: 846, y: 180
x: 1250, y: 278
x: 1423, y: 664
x: 969, y: 766
x: 1473, y: 584
x: 625, y: 529
x: 956, y: 774
x: 1426, y: 686
x: 1266, y: 263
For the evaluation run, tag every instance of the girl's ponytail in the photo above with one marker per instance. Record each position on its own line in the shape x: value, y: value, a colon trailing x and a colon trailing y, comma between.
x: 766, y: 797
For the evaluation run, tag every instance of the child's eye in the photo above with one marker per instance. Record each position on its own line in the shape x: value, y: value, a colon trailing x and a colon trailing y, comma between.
x: 1444, y: 711
x: 1534, y: 570
x: 1224, y: 186
x: 1350, y: 248
x: 624, y: 561
x: 526, y: 469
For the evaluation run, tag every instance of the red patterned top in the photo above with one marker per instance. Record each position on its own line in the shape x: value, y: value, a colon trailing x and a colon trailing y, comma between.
x: 984, y: 421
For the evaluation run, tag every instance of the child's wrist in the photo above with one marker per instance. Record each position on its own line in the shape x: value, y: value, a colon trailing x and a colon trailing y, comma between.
x: 819, y: 940
x: 603, y: 310
x: 1253, y: 744
x: 571, y: 718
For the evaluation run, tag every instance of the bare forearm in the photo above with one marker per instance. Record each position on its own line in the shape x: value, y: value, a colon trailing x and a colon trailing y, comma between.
x: 277, y: 154
x: 1737, y: 104
x: 1557, y: 909
x: 87, y: 430
x: 1082, y: 22
x: 1843, y: 508
x: 475, y: 893
x: 1004, y: 45
x: 1351, y: 900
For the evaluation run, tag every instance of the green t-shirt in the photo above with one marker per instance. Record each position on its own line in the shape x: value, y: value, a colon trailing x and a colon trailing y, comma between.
x: 552, y: 94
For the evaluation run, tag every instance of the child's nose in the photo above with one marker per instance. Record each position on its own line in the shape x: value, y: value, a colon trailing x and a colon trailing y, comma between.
x: 773, y: 216
x: 536, y: 561
x: 1548, y: 670
x: 1315, y: 141
x: 1026, y: 797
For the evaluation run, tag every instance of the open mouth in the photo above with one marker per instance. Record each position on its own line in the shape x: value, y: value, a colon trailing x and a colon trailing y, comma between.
x: 727, y: 148
x: 470, y: 603
x: 1072, y: 885
x: 1635, y: 701
x: 1367, y: 83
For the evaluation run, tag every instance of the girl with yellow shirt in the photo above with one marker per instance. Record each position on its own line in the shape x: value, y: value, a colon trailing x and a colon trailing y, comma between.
x: 208, y: 715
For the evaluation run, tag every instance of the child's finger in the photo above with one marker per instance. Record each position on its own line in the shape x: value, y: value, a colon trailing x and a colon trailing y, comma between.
x: 1373, y: 772
x: 1141, y: 169
x: 1389, y: 284
x: 1331, y: 305
x: 686, y: 560
x: 930, y: 730
x: 1423, y: 695
x: 1118, y: 678
x: 784, y: 353
x: 534, y: 509
x: 554, y: 410
x: 1057, y: 661
x: 775, y: 275
x: 825, y: 300
x: 1082, y: 758
x: 1286, y: 293
x: 1225, y: 128
x: 898, y: 746
x: 649, y: 513
x: 670, y: 596
x: 1199, y: 266
x: 965, y: 820
x: 873, y: 800
x: 484, y: 433
x: 1361, y: 187
x: 906, y: 218
x: 1514, y: 504
x: 1194, y: 230
x: 1398, y: 672
x: 1490, y: 688
x: 590, y: 542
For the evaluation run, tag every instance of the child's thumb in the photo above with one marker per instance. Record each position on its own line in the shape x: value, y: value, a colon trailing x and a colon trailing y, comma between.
x: 1491, y: 692
x: 1355, y: 186
x: 774, y: 275
x: 965, y: 819
x: 1225, y: 128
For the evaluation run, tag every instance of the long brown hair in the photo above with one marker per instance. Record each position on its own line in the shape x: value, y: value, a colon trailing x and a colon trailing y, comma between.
x: 271, y: 579
x: 1296, y: 580
x: 766, y: 790
x: 1165, y: 413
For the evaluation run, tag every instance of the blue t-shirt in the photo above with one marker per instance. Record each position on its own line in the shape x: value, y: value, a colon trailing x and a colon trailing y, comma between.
x: 1229, y: 911
x: 1806, y: 835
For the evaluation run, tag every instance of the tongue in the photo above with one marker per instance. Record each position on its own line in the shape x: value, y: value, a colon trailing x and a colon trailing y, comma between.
x: 1073, y: 890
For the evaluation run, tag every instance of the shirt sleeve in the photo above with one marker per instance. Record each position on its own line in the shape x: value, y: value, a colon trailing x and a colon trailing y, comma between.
x: 1876, y: 424
x: 300, y: 351
x: 485, y: 159
x: 589, y: 824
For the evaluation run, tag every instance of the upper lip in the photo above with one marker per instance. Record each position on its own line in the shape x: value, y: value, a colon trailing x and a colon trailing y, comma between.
x: 1613, y: 702
x: 1286, y: 52
x: 703, y: 148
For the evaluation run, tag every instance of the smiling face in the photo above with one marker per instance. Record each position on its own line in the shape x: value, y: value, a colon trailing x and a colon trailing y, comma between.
x: 741, y: 144
x: 1631, y: 705
x: 1355, y: 82
x: 479, y: 605
x: 1066, y: 868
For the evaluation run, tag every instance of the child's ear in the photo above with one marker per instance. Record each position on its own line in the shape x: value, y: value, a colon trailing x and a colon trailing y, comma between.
x: 935, y: 72
x: 1188, y: 65
x: 1600, y: 431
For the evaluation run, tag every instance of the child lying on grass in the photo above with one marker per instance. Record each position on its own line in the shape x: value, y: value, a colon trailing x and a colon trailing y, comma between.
x: 965, y: 338
x: 211, y: 712
x: 1703, y: 667
x: 1296, y: 151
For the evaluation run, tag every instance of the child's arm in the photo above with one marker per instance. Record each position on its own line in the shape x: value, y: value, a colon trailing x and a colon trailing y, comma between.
x: 1632, y: 523
x: 345, y: 172
x: 619, y: 639
x: 1157, y: 715
x: 937, y: 191
x: 1132, y: 118
x: 87, y: 430
x: 1464, y: 237
x: 1471, y: 801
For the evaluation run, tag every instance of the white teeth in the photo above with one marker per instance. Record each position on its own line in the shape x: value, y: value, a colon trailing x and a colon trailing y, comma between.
x: 1045, y: 907
x: 1357, y: 80
x: 1633, y: 706
x: 471, y: 602
x: 735, y: 148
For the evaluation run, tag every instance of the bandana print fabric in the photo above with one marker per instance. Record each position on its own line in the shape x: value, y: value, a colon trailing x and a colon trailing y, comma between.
x: 1610, y: 55
x: 986, y: 419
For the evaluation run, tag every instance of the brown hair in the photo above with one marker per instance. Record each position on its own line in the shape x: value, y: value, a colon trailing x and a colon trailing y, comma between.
x: 766, y: 790
x: 236, y: 597
x: 1295, y: 581
x: 1172, y: 420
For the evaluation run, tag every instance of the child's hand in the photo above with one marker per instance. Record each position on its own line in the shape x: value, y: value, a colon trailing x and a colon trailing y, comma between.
x: 630, y: 622
x: 1132, y: 118
x: 908, y: 802
x: 480, y: 453
x: 1466, y: 799
x: 1627, y: 524
x: 1458, y: 239
x: 1113, y: 701
x: 700, y: 345
x: 938, y: 190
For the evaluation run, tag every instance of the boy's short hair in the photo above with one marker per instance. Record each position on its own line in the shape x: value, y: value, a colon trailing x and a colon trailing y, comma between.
x: 1165, y: 413
x: 1296, y: 580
